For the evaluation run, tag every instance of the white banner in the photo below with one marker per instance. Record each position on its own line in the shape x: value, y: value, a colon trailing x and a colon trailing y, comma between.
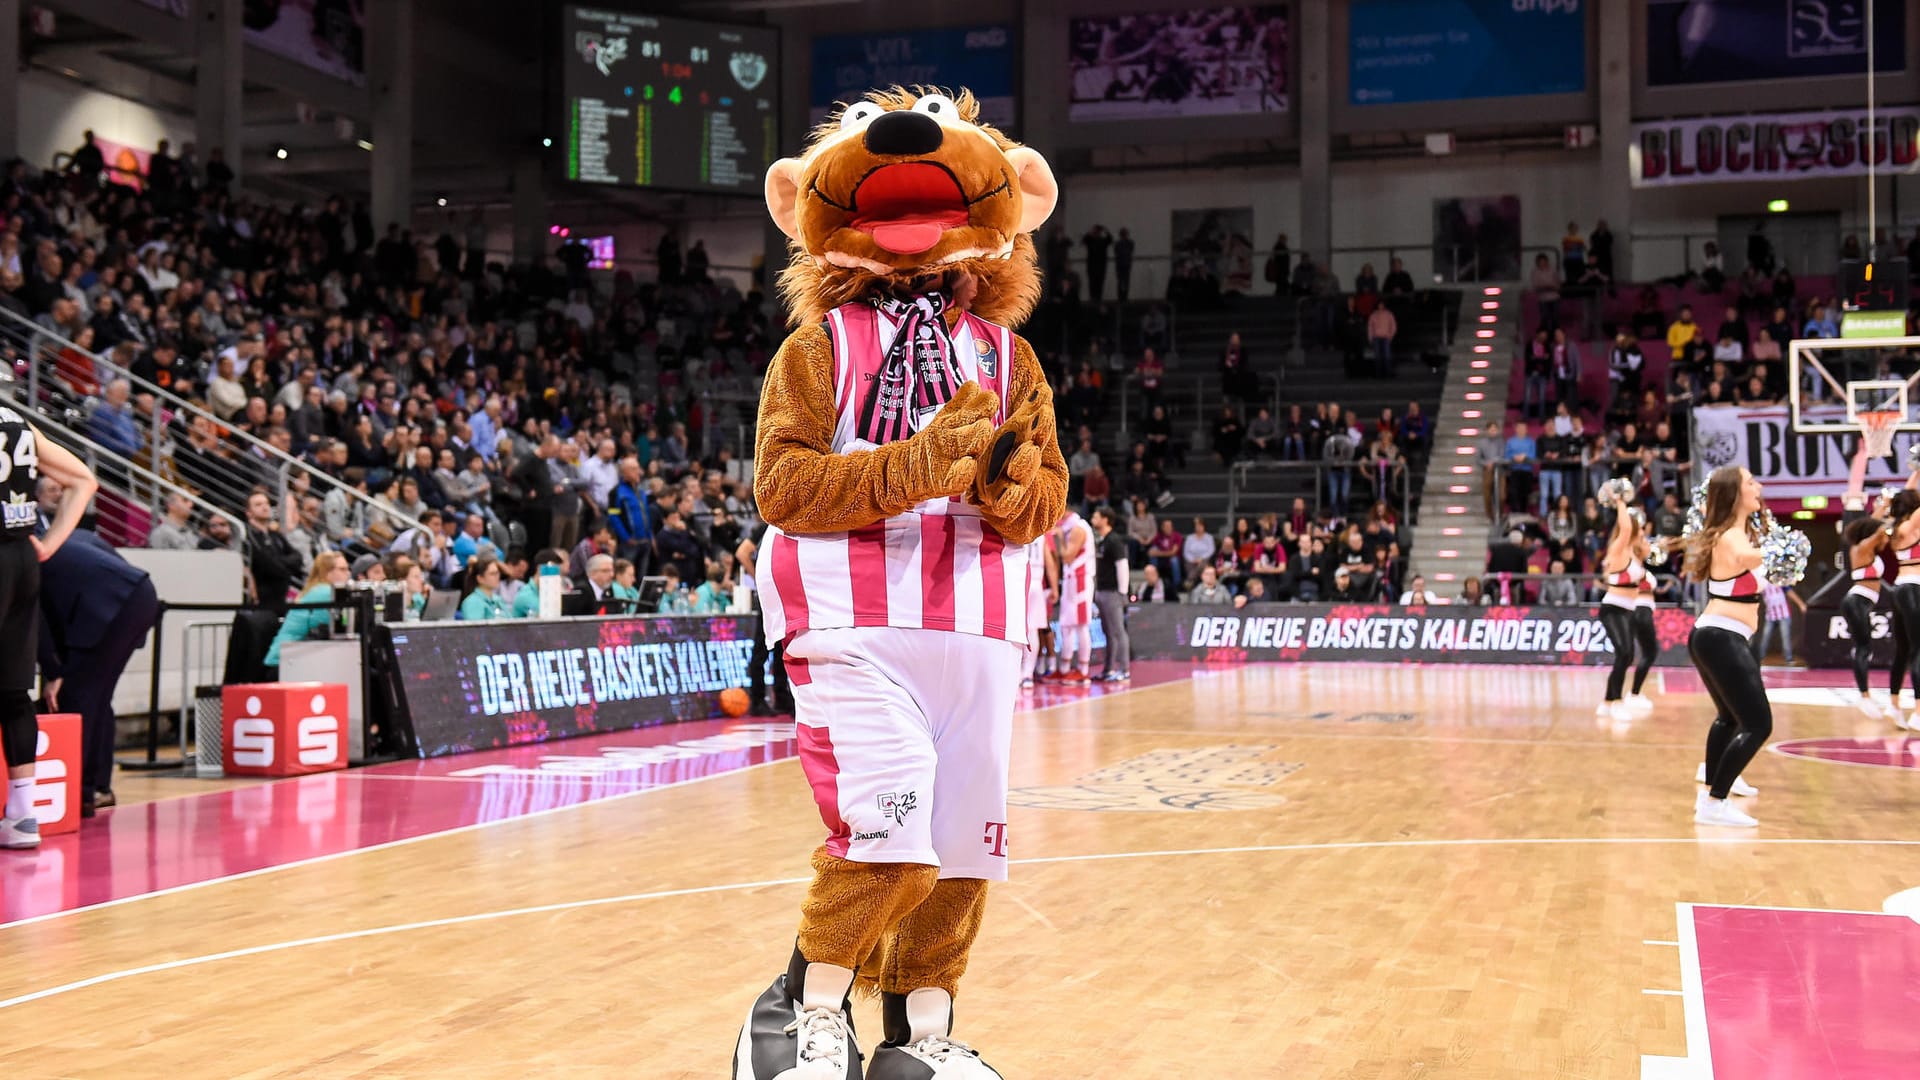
x: 1773, y: 146
x: 1792, y: 465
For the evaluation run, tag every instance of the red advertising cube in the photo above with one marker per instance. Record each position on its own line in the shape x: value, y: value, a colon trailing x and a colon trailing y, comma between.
x: 56, y: 774
x: 283, y: 729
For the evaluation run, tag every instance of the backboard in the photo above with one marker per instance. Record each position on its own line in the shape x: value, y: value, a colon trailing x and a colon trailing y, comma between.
x: 1831, y: 381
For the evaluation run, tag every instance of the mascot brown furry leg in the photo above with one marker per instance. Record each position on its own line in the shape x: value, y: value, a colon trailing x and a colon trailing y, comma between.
x: 907, y: 456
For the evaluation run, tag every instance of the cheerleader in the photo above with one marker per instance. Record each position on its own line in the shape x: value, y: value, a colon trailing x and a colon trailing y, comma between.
x: 1903, y: 542
x: 1622, y: 570
x: 1864, y: 538
x: 1725, y: 553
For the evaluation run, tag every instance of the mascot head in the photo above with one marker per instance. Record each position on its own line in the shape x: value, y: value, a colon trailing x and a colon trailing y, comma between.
x: 902, y: 191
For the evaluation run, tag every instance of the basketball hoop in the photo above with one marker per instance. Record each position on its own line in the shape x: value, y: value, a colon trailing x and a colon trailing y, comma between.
x: 1876, y: 430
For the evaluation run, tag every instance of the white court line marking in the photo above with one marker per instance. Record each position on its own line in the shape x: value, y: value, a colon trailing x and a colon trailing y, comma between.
x: 1686, y: 929
x: 1383, y: 735
x: 1665, y: 993
x: 1650, y: 941
x: 485, y: 824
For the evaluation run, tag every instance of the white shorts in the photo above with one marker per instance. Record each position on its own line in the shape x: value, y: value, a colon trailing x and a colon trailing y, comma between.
x: 1076, y: 596
x: 904, y: 737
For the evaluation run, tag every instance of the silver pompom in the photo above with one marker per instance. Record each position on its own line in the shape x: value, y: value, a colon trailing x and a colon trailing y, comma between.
x: 1657, y: 555
x: 1783, y: 555
x: 1696, y: 512
x: 1617, y: 492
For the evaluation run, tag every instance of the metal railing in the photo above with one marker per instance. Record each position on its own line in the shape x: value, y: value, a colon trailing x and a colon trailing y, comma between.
x: 1369, y: 479
x: 51, y: 391
x: 134, y: 486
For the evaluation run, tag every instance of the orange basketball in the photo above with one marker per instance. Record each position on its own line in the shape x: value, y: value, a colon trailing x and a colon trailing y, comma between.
x: 733, y: 701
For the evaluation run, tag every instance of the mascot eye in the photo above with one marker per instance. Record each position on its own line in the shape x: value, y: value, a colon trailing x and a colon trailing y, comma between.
x: 857, y: 115
x: 939, y: 106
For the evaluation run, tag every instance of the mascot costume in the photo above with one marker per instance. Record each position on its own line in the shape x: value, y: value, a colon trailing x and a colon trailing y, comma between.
x: 907, y: 458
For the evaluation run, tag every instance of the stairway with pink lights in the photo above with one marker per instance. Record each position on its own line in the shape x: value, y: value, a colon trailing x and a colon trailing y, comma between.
x: 1473, y: 400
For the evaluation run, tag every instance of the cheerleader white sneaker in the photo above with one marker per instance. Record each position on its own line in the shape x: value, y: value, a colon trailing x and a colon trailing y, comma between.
x: 1909, y: 722
x: 1722, y: 814
x: 1740, y: 787
x: 1905, y: 704
x: 1639, y: 704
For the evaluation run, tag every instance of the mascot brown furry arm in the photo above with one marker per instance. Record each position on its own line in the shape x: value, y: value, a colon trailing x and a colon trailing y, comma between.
x: 907, y: 462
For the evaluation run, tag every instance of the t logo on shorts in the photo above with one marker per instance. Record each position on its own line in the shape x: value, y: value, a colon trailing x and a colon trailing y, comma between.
x: 897, y: 805
x: 996, y: 839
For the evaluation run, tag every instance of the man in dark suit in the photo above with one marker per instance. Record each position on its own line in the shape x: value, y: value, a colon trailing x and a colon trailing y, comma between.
x: 96, y: 609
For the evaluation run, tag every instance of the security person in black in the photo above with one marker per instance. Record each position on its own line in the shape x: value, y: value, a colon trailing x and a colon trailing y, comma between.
x: 98, y: 608
x: 24, y: 458
x: 745, y: 556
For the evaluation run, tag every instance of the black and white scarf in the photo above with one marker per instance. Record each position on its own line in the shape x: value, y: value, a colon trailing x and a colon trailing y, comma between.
x: 919, y: 373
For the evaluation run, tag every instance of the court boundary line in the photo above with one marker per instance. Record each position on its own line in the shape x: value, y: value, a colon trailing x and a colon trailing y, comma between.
x: 1776, y: 749
x: 1685, y: 934
x: 472, y: 826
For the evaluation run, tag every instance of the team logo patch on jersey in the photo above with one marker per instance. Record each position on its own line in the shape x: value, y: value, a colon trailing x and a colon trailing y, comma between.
x: 989, y: 359
x: 20, y: 512
x: 897, y: 805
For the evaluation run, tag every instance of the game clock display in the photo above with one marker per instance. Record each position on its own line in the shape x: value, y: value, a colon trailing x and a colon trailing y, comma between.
x: 669, y: 103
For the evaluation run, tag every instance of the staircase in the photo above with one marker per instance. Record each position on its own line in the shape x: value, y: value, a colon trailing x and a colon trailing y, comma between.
x: 1473, y: 399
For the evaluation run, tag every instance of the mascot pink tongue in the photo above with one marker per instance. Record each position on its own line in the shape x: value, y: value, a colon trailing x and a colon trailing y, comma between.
x: 906, y: 208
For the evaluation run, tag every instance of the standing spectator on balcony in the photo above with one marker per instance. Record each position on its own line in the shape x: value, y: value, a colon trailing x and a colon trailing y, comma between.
x: 1522, y: 458
x: 1398, y: 282
x: 1237, y: 377
x: 1123, y: 265
x: 1337, y: 455
x: 1573, y: 253
x: 1600, y: 249
x: 1623, y: 366
x: 1279, y: 265
x: 1537, y: 364
x: 175, y: 531
x: 1545, y: 283
x: 1382, y: 328
x: 1559, y: 454
x: 1099, y: 243
x: 112, y: 424
x: 87, y: 163
x: 568, y: 486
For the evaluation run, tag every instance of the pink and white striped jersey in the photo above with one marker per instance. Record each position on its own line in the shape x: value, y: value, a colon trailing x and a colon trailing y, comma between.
x: 1076, y: 573
x: 938, y: 566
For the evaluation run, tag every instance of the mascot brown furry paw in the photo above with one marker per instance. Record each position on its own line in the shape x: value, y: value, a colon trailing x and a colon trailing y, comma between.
x: 907, y: 462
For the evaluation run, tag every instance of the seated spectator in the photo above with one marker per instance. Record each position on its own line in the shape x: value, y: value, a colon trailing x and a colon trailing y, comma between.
x: 1255, y: 593
x: 1152, y: 589
x: 1151, y: 373
x: 1293, y: 435
x: 1269, y: 564
x: 1820, y: 323
x: 1649, y: 319
x: 1141, y: 525
x: 1162, y: 447
x: 526, y: 601
x: 1263, y: 434
x: 1772, y: 343
x: 1472, y: 595
x: 1227, y: 436
x: 1350, y: 588
x: 1558, y: 590
x: 480, y: 593
x: 112, y: 424
x: 331, y: 573
x: 175, y: 530
x: 1209, y: 591
x: 1198, y: 549
x: 626, y: 581
x: 1166, y: 552
x: 1417, y: 593
x: 1684, y: 338
x: 1095, y: 488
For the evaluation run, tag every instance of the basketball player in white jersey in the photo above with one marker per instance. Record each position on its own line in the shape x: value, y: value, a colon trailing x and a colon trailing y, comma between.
x: 1075, y: 539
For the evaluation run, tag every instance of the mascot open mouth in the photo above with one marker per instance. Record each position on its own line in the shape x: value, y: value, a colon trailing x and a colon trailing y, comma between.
x: 906, y: 208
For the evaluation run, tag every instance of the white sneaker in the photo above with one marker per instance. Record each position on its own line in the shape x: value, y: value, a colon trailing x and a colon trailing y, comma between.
x: 1909, y: 722
x: 1906, y: 701
x: 1740, y: 787
x: 807, y: 1039
x: 1640, y: 704
x: 920, y: 1044
x: 1605, y: 710
x: 23, y: 832
x: 1722, y: 814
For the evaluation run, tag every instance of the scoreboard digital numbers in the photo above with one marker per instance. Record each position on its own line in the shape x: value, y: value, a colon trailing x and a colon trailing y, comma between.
x: 669, y: 103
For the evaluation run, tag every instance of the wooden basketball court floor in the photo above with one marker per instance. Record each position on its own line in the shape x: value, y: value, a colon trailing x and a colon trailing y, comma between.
x: 1343, y: 871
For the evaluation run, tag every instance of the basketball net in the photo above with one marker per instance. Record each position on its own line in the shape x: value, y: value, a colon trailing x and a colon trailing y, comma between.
x: 1876, y: 430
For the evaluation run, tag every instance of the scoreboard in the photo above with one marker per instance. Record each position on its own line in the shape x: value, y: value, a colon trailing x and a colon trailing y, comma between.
x: 680, y: 104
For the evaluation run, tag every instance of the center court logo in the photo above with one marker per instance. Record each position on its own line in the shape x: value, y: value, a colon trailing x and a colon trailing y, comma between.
x: 1227, y: 777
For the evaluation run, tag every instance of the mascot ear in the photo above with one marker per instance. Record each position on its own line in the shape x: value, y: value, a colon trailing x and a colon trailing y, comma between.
x: 783, y: 195
x: 1038, y: 191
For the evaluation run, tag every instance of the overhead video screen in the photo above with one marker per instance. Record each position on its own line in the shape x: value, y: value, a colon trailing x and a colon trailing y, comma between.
x: 653, y: 101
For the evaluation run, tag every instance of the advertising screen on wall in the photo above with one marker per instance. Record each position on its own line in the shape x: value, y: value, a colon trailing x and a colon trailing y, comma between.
x: 979, y: 58
x: 670, y: 103
x: 1773, y: 146
x: 1709, y: 41
x: 1401, y: 51
x: 466, y: 686
x: 1223, y: 61
x: 1792, y: 464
